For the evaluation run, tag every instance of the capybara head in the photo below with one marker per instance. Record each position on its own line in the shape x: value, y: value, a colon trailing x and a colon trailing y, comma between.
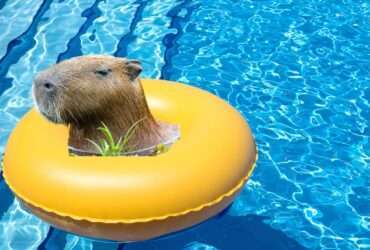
x: 86, y: 91
x: 84, y: 88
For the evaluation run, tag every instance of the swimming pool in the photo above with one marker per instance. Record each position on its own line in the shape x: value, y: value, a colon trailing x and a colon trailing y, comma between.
x: 299, y: 71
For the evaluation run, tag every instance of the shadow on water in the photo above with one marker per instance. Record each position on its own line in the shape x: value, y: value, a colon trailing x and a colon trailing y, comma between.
x: 224, y: 233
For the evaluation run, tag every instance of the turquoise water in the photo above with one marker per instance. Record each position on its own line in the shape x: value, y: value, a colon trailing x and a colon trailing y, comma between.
x: 299, y: 71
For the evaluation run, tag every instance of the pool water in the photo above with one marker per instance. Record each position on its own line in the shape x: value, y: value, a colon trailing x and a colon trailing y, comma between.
x: 298, y: 70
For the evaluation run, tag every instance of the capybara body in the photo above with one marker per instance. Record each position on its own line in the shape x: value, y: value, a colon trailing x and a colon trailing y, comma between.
x: 86, y: 91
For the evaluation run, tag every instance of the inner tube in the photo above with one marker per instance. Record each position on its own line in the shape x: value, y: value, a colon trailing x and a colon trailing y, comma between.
x: 134, y: 198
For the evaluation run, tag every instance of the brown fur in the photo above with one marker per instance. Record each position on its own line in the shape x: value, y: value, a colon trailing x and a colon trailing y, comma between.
x: 83, y: 98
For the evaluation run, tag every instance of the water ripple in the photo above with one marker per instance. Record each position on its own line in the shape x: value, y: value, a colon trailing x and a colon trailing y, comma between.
x: 21, y: 230
x: 179, y: 15
x: 103, y: 36
x: 21, y: 13
x: 2, y: 3
x: 150, y: 37
x: 74, y: 44
x: 20, y: 45
x: 126, y: 39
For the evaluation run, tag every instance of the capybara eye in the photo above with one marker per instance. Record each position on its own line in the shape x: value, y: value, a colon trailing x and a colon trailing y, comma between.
x: 103, y: 72
x: 48, y: 86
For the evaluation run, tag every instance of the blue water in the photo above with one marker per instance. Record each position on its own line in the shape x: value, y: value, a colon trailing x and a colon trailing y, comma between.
x: 298, y: 70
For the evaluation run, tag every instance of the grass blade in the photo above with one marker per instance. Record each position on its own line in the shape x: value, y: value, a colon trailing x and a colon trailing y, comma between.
x: 107, y: 133
x: 130, y: 132
x: 97, y: 146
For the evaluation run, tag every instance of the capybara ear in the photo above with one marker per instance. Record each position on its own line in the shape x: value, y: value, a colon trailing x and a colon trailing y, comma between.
x: 133, y: 68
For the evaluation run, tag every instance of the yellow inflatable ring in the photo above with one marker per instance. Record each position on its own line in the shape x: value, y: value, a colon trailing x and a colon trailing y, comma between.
x: 132, y: 198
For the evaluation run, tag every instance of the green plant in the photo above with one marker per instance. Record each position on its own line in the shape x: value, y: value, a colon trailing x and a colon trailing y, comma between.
x: 160, y: 149
x: 108, y: 146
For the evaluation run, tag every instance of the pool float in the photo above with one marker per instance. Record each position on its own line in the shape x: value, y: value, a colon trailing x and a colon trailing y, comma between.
x: 132, y: 198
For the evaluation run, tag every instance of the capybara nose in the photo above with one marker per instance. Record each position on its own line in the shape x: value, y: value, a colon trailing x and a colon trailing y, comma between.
x: 48, y: 86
